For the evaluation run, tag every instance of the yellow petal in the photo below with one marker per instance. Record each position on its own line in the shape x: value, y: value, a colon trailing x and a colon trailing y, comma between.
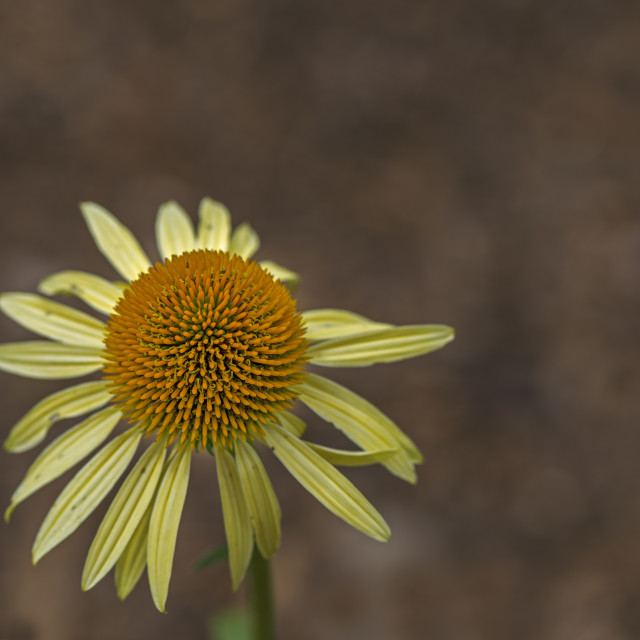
x: 292, y: 423
x: 64, y: 452
x: 115, y: 241
x: 84, y: 493
x: 133, y: 559
x: 261, y: 498
x: 361, y: 422
x: 215, y: 226
x: 174, y: 230
x: 344, y: 458
x: 49, y: 360
x: 386, y: 345
x: 97, y: 292
x: 236, y: 516
x: 74, y: 401
x: 326, y: 483
x: 53, y: 320
x: 244, y: 241
x: 324, y: 324
x: 163, y: 528
x: 279, y: 273
x: 123, y: 515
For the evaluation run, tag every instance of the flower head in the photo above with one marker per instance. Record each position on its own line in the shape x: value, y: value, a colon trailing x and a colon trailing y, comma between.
x: 206, y: 352
x: 208, y: 346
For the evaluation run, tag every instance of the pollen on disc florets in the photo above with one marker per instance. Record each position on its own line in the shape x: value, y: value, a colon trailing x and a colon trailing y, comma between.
x: 206, y: 346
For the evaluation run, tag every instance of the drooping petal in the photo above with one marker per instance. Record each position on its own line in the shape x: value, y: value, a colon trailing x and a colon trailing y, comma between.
x: 325, y: 324
x: 236, y: 516
x: 292, y: 423
x: 97, y: 292
x: 74, y: 401
x: 53, y: 320
x: 133, y: 559
x: 361, y: 422
x: 215, y: 226
x: 261, y: 498
x: 174, y: 230
x: 326, y: 483
x: 280, y: 273
x: 85, y: 492
x: 115, y: 241
x: 163, y: 527
x: 244, y: 241
x: 64, y: 452
x: 49, y: 360
x: 123, y: 515
x: 387, y: 345
x: 344, y: 458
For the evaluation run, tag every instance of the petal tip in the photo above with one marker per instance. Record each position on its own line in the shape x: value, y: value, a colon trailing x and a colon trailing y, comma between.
x: 90, y: 210
x: 9, y: 511
x: 382, y: 532
x: 88, y: 580
x: 235, y: 583
x: 159, y: 604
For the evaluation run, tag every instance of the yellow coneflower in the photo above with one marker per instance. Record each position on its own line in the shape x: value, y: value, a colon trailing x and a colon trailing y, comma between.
x: 207, y: 352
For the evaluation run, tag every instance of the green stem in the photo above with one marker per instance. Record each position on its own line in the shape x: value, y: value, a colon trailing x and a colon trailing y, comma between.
x: 261, y: 598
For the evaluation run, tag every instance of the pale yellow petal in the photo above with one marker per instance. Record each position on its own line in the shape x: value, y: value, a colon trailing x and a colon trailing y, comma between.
x: 361, y: 422
x: 261, y: 498
x: 97, y: 292
x: 64, y: 452
x: 133, y: 559
x: 163, y: 528
x: 115, y: 241
x: 68, y: 403
x: 236, y: 516
x: 280, y: 273
x: 121, y: 286
x: 344, y: 458
x: 386, y: 345
x: 174, y: 230
x: 326, y: 483
x: 244, y: 241
x: 215, y: 226
x: 53, y: 320
x: 292, y: 423
x: 85, y: 492
x: 325, y: 324
x: 123, y: 515
x: 49, y: 360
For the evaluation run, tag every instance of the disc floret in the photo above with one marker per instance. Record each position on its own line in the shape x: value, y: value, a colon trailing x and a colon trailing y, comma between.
x: 207, y: 347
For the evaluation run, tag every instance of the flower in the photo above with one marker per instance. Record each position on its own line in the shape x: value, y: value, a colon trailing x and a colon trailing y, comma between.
x: 207, y: 352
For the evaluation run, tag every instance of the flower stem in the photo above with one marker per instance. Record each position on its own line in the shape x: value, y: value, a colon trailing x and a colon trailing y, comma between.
x: 261, y: 598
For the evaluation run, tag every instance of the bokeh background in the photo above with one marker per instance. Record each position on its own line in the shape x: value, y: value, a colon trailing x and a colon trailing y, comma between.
x: 450, y: 161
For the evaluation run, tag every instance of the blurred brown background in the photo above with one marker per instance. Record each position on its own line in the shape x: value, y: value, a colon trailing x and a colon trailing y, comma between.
x: 469, y: 163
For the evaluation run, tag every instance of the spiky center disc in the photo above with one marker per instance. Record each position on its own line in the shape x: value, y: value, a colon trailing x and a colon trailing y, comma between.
x: 205, y: 347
